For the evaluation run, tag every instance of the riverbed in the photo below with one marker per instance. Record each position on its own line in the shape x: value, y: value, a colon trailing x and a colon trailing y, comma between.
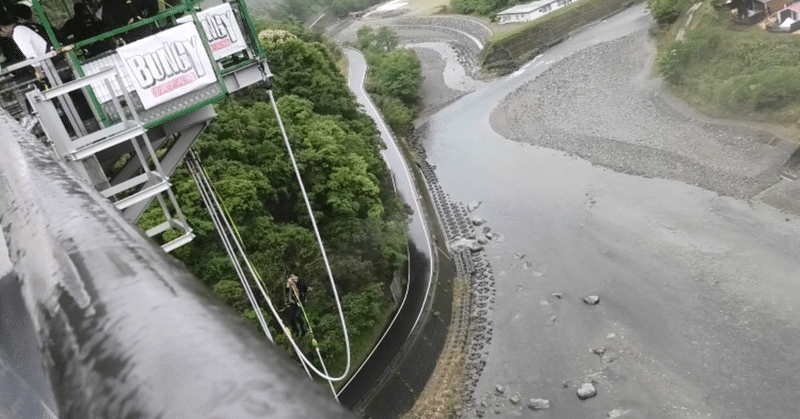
x: 593, y: 185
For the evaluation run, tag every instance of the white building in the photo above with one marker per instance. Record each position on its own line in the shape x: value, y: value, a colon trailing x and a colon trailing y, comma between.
x: 530, y: 11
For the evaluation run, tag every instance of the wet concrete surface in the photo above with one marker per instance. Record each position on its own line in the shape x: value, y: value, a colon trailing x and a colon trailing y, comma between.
x: 119, y: 328
x: 25, y: 391
x: 697, y: 291
x: 415, y: 305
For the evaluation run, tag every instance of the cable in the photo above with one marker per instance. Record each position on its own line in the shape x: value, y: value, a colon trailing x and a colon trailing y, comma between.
x: 313, y: 338
x: 231, y: 227
x: 197, y: 173
x: 208, y: 193
x: 319, y: 241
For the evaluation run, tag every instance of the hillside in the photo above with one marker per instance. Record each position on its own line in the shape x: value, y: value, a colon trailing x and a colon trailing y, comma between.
x: 729, y: 70
x: 337, y: 147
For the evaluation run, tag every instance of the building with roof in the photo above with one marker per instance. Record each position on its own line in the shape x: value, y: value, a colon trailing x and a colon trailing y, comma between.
x: 787, y: 19
x: 530, y: 11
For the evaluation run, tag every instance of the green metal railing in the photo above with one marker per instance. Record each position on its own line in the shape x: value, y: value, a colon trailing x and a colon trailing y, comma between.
x: 77, y: 57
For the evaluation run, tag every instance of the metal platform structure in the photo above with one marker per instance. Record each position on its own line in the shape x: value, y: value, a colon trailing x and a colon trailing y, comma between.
x: 124, y: 107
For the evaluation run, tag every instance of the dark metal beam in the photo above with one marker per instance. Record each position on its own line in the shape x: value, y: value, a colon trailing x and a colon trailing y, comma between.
x: 123, y: 329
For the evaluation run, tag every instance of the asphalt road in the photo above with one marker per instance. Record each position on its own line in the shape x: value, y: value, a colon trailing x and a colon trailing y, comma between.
x: 698, y: 292
x: 420, y: 270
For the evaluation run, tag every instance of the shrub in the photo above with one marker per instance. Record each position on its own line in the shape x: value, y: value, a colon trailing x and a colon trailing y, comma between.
x: 775, y: 87
x: 675, y: 60
x: 735, y: 73
x: 478, y: 7
x: 397, y: 115
x: 666, y: 11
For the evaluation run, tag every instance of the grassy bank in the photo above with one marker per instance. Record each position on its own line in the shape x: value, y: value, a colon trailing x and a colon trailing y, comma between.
x: 507, y: 50
x: 730, y: 71
x: 547, y: 22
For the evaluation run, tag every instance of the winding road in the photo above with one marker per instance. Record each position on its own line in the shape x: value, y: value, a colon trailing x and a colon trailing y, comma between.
x: 420, y: 263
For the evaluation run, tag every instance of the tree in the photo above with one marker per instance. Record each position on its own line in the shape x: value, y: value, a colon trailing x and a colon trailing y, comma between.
x: 397, y: 115
x: 365, y: 37
x: 305, y: 70
x: 394, y: 77
x: 399, y: 76
x: 337, y: 149
x: 480, y: 7
x: 233, y: 294
x: 386, y: 39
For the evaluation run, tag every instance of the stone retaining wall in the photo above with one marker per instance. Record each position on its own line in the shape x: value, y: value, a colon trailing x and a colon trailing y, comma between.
x: 472, y: 27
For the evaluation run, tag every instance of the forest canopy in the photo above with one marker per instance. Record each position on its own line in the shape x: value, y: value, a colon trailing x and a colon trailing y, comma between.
x: 394, y: 79
x: 337, y: 148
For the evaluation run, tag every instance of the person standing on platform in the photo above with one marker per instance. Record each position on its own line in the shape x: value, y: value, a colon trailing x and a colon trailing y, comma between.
x: 27, y: 40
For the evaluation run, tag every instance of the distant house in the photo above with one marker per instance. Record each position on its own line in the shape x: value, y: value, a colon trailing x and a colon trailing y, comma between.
x: 788, y: 19
x: 530, y: 11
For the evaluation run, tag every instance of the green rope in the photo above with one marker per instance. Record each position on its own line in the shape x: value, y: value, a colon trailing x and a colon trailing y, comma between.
x: 305, y: 315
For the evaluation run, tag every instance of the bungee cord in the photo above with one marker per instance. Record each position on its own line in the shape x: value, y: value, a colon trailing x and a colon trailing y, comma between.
x: 220, y: 216
x: 259, y: 280
x: 203, y: 186
x: 232, y: 242
x: 324, y: 375
x: 313, y: 338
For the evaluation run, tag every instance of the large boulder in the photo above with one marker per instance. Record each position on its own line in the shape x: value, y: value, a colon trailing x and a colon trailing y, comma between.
x: 586, y: 391
x: 538, y: 404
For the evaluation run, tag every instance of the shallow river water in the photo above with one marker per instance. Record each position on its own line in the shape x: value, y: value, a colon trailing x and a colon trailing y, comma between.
x: 697, y: 292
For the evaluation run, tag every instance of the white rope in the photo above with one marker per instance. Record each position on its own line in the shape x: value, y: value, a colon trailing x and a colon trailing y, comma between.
x: 322, y: 374
x: 325, y: 370
x: 227, y: 227
x: 199, y: 178
x: 217, y: 213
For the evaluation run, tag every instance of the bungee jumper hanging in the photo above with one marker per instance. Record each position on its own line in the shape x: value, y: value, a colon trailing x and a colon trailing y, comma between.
x: 295, y: 292
x: 232, y: 241
x: 267, y: 84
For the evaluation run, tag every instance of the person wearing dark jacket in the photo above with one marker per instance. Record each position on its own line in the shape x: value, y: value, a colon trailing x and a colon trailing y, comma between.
x: 296, y: 292
x: 82, y: 26
x: 10, y: 51
x: 118, y: 13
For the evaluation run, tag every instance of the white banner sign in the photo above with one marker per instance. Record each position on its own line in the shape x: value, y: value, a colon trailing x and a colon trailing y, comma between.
x: 167, y: 65
x: 222, y: 30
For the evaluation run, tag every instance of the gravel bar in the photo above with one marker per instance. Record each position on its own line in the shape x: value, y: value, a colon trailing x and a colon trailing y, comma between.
x: 617, y: 117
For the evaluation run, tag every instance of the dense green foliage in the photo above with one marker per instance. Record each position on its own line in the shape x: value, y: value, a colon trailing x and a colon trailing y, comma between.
x: 734, y: 72
x: 394, y: 77
x: 666, y: 11
x: 361, y: 220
